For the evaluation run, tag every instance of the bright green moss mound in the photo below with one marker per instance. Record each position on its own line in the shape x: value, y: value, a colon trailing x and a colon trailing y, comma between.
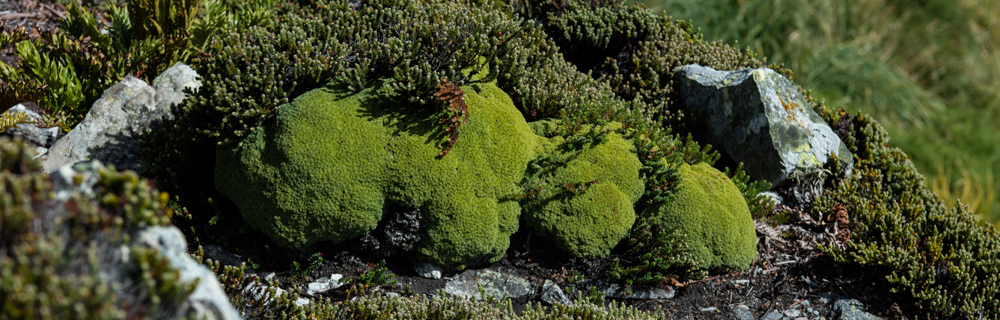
x: 713, y: 214
x: 584, y: 203
x: 332, y: 161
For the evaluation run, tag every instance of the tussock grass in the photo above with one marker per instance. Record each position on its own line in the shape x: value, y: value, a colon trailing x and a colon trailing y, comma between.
x: 927, y: 70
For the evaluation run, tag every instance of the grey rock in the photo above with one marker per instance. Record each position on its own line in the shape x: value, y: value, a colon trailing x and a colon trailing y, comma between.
x: 318, y: 287
x: 223, y: 256
x: 851, y: 309
x: 493, y: 283
x: 553, y: 294
x: 742, y: 312
x: 170, y: 85
x: 208, y: 299
x: 110, y: 130
x: 428, y: 270
x: 614, y: 290
x: 772, y: 315
x: 758, y: 117
x: 792, y: 313
x: 31, y: 133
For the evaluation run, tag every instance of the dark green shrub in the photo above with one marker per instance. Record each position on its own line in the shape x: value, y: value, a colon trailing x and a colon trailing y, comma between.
x: 654, y: 254
x: 945, y: 259
x: 760, y: 206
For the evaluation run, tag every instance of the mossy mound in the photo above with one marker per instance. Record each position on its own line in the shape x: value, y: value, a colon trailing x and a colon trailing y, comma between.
x: 583, y: 202
x: 712, y: 213
x: 333, y: 161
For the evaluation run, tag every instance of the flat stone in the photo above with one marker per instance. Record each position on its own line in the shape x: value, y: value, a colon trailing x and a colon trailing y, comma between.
x: 759, y: 118
x: 317, y: 287
x: 773, y: 315
x: 553, y: 294
x: 428, y: 270
x: 851, y: 309
x: 32, y: 133
x: 792, y: 313
x: 496, y: 284
x: 742, y: 312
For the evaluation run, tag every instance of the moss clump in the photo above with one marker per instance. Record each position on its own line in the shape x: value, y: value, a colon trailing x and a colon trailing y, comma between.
x: 333, y: 160
x: 414, y: 46
x: 582, y: 191
x: 57, y: 250
x: 712, y: 212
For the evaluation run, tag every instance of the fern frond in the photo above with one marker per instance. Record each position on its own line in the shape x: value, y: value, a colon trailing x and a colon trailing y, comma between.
x: 11, y: 119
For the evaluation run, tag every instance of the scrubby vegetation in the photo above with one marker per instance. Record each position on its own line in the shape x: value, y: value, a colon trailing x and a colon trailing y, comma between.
x: 568, y: 67
x: 56, y: 254
x: 941, y: 256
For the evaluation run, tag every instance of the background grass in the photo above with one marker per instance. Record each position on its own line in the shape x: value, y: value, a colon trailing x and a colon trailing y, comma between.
x: 928, y: 70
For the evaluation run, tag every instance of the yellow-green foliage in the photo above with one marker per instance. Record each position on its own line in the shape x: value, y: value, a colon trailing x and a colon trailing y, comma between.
x: 712, y: 212
x: 52, y: 258
x: 333, y: 160
x: 582, y: 190
x: 11, y: 119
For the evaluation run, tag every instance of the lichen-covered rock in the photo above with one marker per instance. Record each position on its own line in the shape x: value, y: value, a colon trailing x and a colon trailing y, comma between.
x: 713, y: 215
x: 759, y: 118
x: 110, y: 130
x: 333, y: 161
x: 76, y: 245
x: 584, y: 194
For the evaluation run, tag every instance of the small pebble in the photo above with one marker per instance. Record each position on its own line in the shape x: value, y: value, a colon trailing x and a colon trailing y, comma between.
x: 709, y: 309
x: 742, y: 281
x: 792, y: 313
x: 805, y: 303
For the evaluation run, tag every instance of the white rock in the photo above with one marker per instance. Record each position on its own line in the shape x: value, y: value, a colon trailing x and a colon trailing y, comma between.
x: 208, y: 299
x: 428, y: 270
x: 324, y: 285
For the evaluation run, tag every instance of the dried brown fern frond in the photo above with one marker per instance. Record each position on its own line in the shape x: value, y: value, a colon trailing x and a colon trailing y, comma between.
x: 455, y: 98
